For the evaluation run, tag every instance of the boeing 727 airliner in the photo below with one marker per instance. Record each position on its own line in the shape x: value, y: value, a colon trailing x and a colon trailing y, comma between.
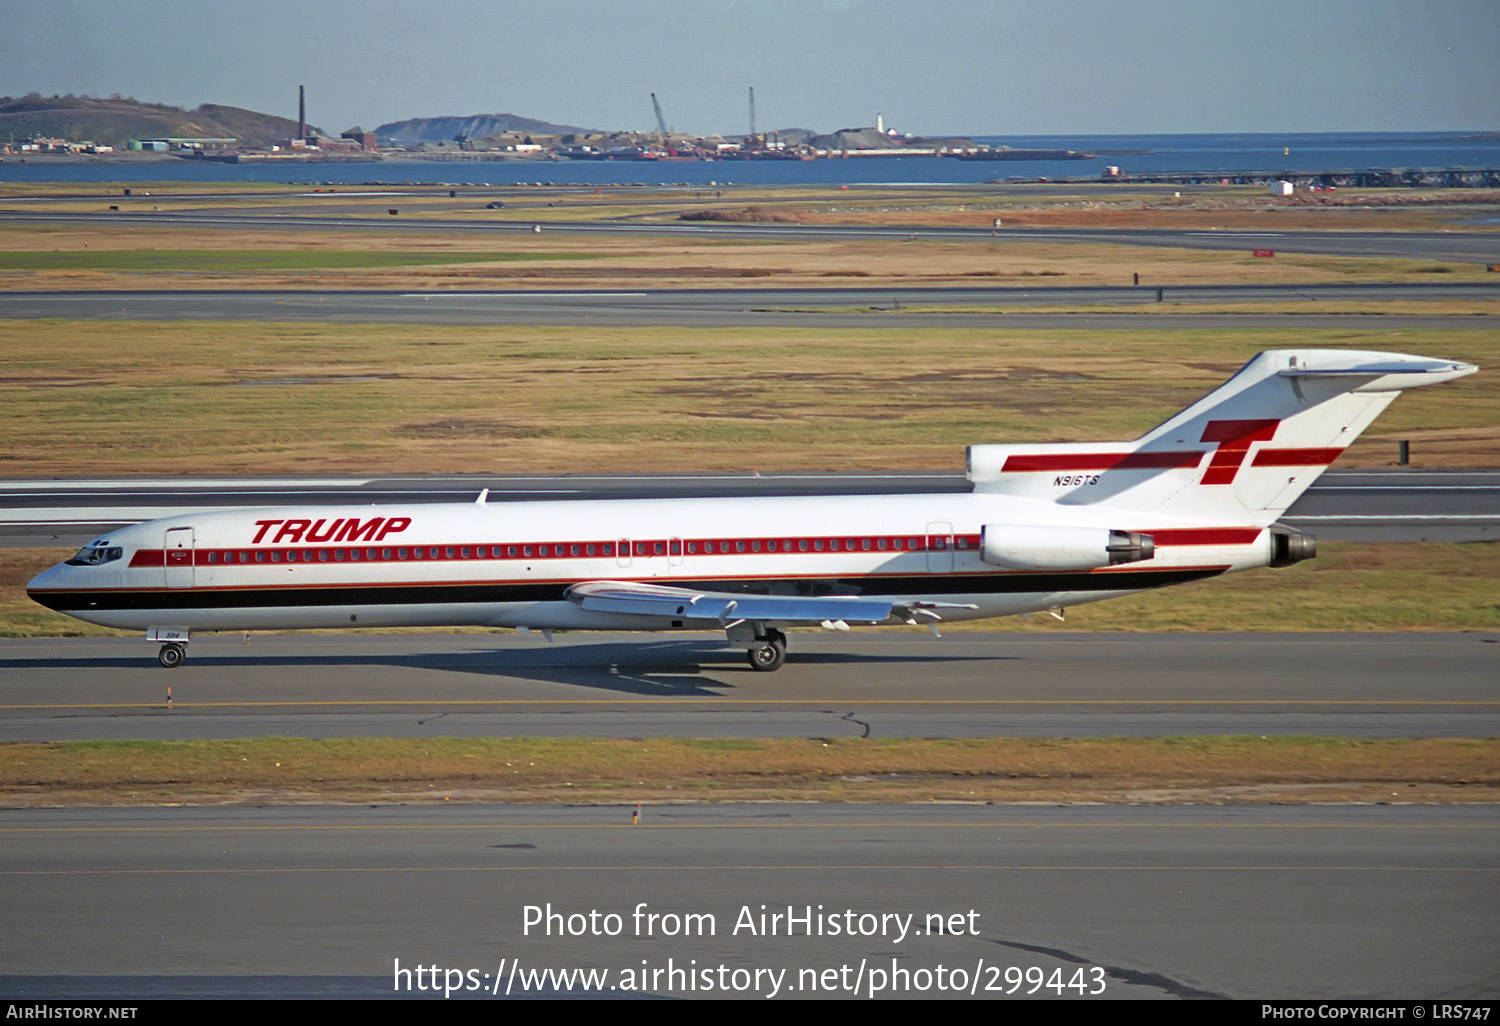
x: 1045, y: 526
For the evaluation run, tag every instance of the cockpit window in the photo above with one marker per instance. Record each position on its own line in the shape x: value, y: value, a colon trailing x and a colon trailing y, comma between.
x: 96, y: 555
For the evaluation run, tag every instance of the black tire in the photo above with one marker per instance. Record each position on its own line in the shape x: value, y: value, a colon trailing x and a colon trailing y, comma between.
x: 767, y: 656
x: 171, y: 655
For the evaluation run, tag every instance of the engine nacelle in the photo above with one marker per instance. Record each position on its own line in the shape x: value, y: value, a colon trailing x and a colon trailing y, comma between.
x: 1023, y: 547
x: 1290, y: 546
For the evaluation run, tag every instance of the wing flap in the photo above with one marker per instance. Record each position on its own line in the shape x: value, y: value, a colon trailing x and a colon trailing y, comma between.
x: 721, y: 607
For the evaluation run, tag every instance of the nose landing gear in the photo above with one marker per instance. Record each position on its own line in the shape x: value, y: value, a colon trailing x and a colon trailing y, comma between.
x: 173, y: 641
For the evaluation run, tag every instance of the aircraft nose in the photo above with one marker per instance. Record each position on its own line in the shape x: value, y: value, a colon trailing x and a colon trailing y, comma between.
x: 47, y: 580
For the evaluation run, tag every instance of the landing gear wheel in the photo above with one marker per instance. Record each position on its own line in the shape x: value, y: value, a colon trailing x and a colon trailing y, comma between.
x: 769, y: 653
x: 171, y: 655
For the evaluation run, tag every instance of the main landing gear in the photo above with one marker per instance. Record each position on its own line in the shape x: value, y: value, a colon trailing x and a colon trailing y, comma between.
x: 767, y: 653
x: 171, y: 655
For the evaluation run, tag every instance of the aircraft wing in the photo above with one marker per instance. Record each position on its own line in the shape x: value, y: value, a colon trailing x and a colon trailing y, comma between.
x: 725, y: 608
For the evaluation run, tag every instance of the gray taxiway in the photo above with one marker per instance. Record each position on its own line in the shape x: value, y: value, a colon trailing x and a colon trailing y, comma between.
x: 867, y: 683
x: 1472, y: 246
x: 1102, y: 308
x: 1077, y: 904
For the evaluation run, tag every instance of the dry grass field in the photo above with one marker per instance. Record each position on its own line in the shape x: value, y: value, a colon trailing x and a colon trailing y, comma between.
x: 135, y: 256
x: 238, y: 397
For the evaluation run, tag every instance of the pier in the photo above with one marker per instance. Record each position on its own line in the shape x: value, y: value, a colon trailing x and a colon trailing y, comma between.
x: 1368, y: 178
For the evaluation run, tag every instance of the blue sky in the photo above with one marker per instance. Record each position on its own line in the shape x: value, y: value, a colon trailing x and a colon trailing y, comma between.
x: 982, y: 67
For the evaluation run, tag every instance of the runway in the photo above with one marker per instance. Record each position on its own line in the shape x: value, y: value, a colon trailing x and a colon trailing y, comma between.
x: 869, y: 683
x: 1290, y: 902
x: 914, y: 308
x: 1460, y: 246
x: 1399, y: 505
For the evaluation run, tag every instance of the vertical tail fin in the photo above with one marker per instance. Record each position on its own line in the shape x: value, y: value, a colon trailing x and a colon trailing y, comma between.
x: 1242, y: 454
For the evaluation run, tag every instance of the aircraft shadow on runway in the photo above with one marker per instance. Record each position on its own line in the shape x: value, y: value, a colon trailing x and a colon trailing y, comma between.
x: 658, y: 669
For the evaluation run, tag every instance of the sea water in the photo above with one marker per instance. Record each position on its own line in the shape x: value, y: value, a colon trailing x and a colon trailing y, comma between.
x: 1133, y: 154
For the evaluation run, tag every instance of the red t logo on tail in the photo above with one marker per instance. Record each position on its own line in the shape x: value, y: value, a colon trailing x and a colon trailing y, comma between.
x: 1234, y: 438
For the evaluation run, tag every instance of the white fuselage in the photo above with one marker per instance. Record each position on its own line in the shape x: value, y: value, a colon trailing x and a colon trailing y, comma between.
x: 509, y: 564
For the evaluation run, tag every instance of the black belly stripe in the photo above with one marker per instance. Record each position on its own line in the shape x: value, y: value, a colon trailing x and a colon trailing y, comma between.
x: 553, y: 591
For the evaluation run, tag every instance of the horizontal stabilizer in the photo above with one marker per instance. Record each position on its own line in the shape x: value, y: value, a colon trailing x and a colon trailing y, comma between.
x: 1242, y: 454
x: 1386, y: 372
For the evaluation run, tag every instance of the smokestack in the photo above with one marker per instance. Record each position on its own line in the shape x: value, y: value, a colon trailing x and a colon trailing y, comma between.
x: 302, y: 112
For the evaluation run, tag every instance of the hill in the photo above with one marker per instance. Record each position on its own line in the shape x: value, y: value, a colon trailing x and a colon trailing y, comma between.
x: 475, y: 126
x: 117, y: 120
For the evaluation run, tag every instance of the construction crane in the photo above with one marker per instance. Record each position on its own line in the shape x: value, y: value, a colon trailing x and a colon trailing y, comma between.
x: 661, y: 122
